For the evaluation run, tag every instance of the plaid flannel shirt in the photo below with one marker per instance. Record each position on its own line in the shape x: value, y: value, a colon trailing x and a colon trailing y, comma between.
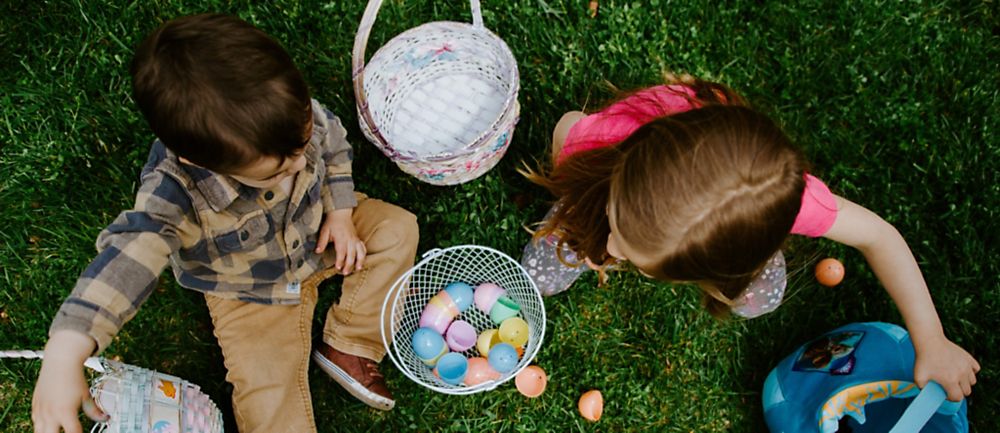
x: 219, y: 236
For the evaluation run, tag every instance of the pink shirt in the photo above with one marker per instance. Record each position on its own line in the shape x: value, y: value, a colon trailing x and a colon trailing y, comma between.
x: 615, y: 123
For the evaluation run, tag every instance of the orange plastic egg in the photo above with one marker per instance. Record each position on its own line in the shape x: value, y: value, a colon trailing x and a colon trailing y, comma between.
x: 531, y: 381
x: 829, y: 272
x: 591, y: 405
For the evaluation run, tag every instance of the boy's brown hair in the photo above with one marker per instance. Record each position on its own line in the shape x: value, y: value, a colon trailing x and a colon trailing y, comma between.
x: 704, y: 196
x: 219, y: 92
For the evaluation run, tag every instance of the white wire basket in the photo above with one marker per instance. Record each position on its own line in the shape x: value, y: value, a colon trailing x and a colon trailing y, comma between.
x: 440, y: 100
x: 472, y: 265
x: 138, y: 400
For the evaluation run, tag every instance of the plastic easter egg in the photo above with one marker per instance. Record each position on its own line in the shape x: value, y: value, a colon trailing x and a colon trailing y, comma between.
x: 479, y: 371
x: 438, y: 313
x: 461, y: 293
x: 503, y: 358
x: 461, y: 336
x: 829, y: 272
x: 531, y: 381
x: 428, y: 345
x: 504, y: 309
x: 486, y: 295
x: 487, y: 339
x: 451, y: 368
x: 514, y: 331
x: 591, y: 405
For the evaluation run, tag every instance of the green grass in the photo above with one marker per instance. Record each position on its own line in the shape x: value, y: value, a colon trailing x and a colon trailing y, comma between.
x: 896, y: 103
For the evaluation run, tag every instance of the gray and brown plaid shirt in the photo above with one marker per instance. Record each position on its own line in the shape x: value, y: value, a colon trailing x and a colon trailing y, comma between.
x: 219, y: 236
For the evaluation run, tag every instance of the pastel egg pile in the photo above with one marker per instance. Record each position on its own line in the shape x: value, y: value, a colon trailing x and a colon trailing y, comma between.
x: 440, y: 339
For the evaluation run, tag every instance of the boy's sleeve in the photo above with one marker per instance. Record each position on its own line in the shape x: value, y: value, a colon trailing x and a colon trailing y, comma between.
x: 337, y: 155
x: 133, y: 251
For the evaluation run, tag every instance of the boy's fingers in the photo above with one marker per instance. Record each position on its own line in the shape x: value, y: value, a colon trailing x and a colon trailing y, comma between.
x: 92, y: 411
x: 341, y: 252
x: 352, y: 252
x: 955, y: 392
x: 362, y: 253
x: 324, y: 238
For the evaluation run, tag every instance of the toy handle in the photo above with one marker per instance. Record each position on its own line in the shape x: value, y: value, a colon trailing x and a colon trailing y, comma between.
x: 923, y: 407
x: 358, y: 67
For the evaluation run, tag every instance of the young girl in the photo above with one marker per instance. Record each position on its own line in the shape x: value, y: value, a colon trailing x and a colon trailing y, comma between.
x: 688, y: 184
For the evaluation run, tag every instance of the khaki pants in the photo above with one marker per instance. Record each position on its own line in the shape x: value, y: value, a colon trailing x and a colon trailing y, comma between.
x: 267, y: 347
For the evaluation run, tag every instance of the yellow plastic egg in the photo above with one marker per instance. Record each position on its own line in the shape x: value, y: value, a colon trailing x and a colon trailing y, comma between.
x: 531, y: 381
x: 591, y: 405
x: 514, y: 331
x: 486, y: 340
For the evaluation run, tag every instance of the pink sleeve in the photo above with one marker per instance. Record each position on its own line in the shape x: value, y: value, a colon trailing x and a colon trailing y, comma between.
x: 818, y: 211
x: 615, y: 123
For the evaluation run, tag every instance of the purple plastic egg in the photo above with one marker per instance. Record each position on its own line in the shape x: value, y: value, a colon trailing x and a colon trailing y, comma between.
x: 486, y: 295
x: 438, y: 313
x: 461, y: 336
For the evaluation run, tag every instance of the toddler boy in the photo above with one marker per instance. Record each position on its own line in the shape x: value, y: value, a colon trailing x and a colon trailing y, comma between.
x: 248, y: 196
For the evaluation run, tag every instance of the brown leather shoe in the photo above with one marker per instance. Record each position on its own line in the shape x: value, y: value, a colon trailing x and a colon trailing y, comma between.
x: 359, y: 376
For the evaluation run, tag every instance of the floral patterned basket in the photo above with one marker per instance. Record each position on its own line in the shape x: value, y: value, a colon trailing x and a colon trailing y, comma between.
x: 440, y: 99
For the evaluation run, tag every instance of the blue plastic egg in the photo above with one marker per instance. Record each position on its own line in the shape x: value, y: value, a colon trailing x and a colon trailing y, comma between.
x: 428, y: 345
x: 461, y: 293
x: 452, y: 368
x: 503, y: 358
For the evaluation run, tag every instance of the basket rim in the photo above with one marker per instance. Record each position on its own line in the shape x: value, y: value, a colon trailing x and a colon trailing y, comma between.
x: 395, y: 293
x: 513, y: 89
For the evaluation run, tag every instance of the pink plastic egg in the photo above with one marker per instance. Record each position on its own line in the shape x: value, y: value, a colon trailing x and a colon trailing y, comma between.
x: 479, y: 371
x: 461, y: 336
x: 591, y: 405
x: 486, y: 295
x: 531, y: 381
x: 438, y: 313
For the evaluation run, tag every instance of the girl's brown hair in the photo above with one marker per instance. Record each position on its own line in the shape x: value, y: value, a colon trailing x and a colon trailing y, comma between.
x: 704, y: 196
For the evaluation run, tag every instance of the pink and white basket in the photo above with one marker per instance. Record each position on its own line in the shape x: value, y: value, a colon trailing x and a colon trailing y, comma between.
x: 440, y: 100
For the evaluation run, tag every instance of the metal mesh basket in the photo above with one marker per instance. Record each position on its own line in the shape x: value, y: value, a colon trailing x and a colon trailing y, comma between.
x: 144, y: 401
x: 472, y: 265
x: 440, y: 99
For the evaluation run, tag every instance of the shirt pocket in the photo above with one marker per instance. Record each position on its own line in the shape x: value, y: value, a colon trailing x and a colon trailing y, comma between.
x: 252, y: 231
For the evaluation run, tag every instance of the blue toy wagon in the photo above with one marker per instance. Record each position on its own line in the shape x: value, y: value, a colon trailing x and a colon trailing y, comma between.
x: 859, y: 379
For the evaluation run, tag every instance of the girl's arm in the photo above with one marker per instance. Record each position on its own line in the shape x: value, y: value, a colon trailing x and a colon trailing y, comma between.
x: 886, y: 251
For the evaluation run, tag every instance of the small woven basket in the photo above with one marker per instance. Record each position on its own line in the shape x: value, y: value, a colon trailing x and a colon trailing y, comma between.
x: 440, y: 100
x: 138, y: 400
x: 473, y: 265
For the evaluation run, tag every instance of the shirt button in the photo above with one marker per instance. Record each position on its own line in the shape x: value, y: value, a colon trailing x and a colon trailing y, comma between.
x: 300, y: 263
x: 244, y: 235
x: 268, y: 195
x: 295, y: 244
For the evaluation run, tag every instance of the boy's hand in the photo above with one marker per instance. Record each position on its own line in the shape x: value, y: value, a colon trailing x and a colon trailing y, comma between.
x: 947, y: 364
x: 61, y: 389
x: 339, y: 228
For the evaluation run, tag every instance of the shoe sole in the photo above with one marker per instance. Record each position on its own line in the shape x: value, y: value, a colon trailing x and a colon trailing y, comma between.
x: 352, y: 386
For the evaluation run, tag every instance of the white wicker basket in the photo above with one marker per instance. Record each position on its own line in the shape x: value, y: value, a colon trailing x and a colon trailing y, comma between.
x: 470, y: 264
x: 440, y: 99
x: 138, y: 400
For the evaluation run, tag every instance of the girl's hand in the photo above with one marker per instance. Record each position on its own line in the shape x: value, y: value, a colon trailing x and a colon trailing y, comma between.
x: 339, y: 228
x: 947, y: 364
x: 61, y: 389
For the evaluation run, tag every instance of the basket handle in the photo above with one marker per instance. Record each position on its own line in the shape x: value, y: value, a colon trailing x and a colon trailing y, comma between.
x: 358, y: 66
x: 921, y: 409
x: 93, y: 363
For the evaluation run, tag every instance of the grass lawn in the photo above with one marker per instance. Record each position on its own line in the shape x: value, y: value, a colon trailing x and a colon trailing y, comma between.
x: 896, y: 103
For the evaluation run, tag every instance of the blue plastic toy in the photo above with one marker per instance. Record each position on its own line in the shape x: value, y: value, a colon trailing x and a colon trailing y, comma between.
x: 503, y: 357
x: 452, y: 368
x: 857, y: 378
x: 461, y: 293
